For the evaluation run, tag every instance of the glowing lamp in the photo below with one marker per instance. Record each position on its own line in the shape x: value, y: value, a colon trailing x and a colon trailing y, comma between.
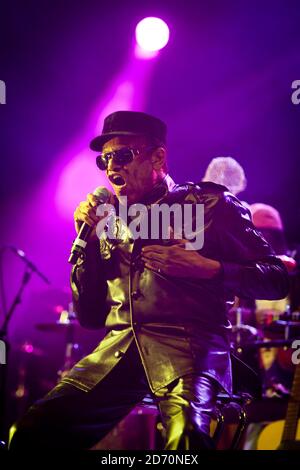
x: 152, y: 34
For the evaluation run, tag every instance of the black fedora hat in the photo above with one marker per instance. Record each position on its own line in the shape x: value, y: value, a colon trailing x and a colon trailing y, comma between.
x: 131, y: 123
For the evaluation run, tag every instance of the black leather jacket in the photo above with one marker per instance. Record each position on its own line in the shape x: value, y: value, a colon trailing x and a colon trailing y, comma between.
x: 179, y: 325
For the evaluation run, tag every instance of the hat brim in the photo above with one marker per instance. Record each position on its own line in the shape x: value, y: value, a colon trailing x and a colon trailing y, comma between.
x: 98, y: 142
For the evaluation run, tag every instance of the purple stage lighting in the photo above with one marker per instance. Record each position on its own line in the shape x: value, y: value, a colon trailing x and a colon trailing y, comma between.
x: 152, y: 34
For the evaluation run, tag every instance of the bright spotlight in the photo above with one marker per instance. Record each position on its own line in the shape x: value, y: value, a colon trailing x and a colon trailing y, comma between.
x: 152, y: 34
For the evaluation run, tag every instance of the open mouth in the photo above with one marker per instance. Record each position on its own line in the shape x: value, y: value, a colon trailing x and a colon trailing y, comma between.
x: 117, y: 180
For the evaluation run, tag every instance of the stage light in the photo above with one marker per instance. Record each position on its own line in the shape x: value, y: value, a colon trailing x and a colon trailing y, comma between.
x: 152, y: 34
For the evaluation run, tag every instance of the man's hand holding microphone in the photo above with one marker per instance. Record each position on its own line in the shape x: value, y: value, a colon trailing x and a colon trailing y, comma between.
x: 86, y: 220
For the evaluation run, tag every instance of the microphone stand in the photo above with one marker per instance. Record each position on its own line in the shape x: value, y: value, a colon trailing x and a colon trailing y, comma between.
x: 29, y: 270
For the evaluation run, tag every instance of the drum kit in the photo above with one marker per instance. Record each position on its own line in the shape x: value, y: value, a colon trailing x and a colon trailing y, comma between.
x: 263, y: 339
x: 256, y: 337
x: 269, y: 326
x: 251, y: 330
x: 68, y: 325
x: 30, y: 357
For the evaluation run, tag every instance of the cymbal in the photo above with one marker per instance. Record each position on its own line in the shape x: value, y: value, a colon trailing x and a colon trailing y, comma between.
x: 54, y: 327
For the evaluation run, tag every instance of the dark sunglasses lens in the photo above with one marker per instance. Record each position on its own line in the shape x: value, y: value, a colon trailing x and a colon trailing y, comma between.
x: 123, y: 156
x: 101, y: 162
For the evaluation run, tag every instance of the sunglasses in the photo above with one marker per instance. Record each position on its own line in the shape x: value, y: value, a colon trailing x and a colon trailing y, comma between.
x: 122, y: 156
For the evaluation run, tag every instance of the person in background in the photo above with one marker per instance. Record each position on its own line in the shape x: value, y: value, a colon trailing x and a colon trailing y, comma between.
x: 277, y: 376
x: 276, y: 367
x: 228, y: 172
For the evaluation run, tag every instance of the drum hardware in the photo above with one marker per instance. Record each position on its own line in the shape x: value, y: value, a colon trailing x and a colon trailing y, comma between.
x: 22, y: 391
x: 241, y: 332
x: 240, y: 315
x: 67, y: 324
x: 67, y: 321
x: 30, y: 269
x: 275, y: 343
x: 286, y: 328
x: 241, y: 335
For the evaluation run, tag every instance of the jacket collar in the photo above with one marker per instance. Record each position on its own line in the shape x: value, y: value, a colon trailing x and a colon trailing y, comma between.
x: 159, y: 191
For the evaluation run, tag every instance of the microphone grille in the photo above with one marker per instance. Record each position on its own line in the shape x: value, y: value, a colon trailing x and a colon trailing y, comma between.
x: 102, y: 193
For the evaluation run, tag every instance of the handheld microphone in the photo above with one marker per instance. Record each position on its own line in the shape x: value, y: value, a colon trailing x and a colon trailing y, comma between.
x: 80, y: 242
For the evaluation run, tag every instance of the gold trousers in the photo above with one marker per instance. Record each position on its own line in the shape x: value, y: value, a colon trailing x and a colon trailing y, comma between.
x: 69, y: 418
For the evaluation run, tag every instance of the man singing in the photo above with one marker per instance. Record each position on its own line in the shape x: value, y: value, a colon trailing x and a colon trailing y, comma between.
x: 162, y: 301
